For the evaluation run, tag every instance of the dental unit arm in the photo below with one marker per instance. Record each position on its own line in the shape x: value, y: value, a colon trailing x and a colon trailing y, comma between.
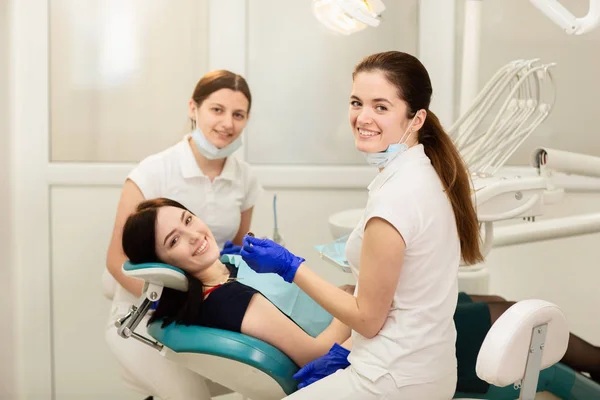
x: 547, y: 160
x: 572, y: 25
x: 553, y: 169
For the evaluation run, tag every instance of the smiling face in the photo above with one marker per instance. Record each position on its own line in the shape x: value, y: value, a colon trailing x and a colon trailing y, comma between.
x: 184, y: 240
x: 378, y: 116
x: 221, y: 116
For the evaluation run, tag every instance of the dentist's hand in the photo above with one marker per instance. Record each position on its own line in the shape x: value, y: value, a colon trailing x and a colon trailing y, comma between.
x: 317, y: 369
x: 230, y: 248
x: 264, y: 255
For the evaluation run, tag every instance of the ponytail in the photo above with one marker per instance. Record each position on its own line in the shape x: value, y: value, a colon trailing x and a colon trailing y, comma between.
x: 453, y: 173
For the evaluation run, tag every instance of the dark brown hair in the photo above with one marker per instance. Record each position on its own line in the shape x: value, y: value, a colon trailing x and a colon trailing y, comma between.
x: 412, y: 82
x: 139, y: 245
x: 217, y: 80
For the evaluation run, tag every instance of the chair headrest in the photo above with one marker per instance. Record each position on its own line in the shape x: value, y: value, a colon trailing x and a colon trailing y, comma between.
x: 159, y: 274
x: 503, y: 354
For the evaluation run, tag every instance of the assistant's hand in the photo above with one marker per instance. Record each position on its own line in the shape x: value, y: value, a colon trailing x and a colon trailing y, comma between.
x: 230, y: 248
x: 264, y: 255
x: 317, y: 369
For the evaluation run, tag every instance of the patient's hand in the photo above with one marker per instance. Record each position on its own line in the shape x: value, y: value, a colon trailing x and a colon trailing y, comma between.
x: 348, y: 289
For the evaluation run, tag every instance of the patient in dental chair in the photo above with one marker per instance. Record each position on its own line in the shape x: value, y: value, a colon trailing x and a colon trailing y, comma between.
x: 163, y: 230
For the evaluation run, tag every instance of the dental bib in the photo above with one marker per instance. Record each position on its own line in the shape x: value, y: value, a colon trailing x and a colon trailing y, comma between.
x: 292, y: 301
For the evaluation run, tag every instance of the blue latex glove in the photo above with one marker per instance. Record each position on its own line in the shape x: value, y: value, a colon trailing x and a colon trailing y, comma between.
x: 230, y: 248
x: 264, y: 256
x: 317, y: 369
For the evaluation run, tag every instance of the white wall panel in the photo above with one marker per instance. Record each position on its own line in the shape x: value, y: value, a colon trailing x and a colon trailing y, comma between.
x: 121, y: 75
x: 29, y: 193
x: 81, y: 224
x: 301, y: 77
x: 7, y: 280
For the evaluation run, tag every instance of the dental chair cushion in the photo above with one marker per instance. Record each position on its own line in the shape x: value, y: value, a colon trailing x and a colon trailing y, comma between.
x: 230, y: 345
x: 159, y: 274
x: 503, y: 354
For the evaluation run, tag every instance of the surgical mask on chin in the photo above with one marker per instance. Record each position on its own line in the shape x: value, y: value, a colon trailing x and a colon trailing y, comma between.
x: 382, y: 158
x: 209, y: 150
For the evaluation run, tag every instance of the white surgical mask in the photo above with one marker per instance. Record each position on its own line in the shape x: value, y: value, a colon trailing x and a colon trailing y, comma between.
x: 209, y: 150
x: 383, y: 158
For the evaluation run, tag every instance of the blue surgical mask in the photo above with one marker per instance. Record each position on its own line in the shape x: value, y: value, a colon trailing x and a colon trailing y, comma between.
x: 209, y: 150
x: 383, y: 158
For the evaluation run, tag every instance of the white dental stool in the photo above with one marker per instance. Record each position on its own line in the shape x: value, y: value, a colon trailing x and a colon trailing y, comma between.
x: 530, y: 336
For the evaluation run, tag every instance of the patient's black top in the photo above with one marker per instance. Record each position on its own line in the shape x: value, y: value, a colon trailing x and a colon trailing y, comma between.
x: 225, y: 307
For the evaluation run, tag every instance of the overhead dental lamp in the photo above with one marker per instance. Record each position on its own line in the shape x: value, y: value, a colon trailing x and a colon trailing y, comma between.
x: 348, y: 16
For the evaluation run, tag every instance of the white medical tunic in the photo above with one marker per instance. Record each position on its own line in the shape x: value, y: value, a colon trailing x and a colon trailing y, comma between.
x: 417, y: 341
x: 174, y: 173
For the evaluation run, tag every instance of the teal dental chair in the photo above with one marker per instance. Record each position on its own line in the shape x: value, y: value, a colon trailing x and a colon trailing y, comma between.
x: 529, y: 337
x: 244, y: 364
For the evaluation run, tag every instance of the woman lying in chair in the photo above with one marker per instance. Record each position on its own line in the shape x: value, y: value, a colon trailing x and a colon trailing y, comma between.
x: 163, y: 230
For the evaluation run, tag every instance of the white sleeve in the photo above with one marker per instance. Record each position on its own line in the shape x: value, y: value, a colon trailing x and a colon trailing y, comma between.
x: 148, y: 176
x: 402, y: 213
x: 252, y: 189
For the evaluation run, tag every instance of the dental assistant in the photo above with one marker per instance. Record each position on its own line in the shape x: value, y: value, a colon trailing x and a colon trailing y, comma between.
x: 199, y: 173
x: 405, y: 251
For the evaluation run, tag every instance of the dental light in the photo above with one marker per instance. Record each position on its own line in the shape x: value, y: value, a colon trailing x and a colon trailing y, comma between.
x: 348, y: 16
x: 572, y: 25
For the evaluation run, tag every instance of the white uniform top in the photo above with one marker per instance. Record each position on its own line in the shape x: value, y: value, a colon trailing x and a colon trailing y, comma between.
x: 417, y: 341
x: 174, y: 173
